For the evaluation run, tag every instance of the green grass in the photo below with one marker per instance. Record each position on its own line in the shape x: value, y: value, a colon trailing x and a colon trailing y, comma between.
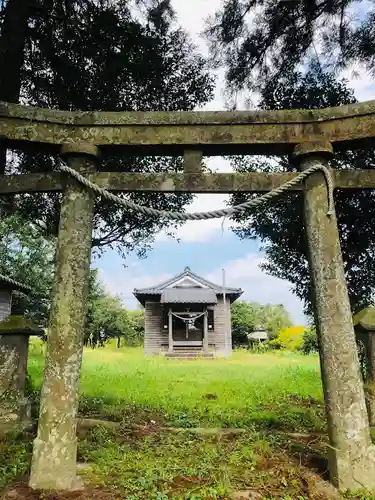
x: 248, y: 388
x: 265, y: 394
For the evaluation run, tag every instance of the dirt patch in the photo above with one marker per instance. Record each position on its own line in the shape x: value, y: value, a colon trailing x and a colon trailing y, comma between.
x: 21, y: 491
x: 310, y: 451
x: 247, y: 495
x: 141, y: 431
x: 209, y: 396
x: 186, y: 482
x: 306, y: 402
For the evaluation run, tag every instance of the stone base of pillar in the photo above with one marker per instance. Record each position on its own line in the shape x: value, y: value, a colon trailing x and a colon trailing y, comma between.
x: 352, y: 473
x: 54, y: 465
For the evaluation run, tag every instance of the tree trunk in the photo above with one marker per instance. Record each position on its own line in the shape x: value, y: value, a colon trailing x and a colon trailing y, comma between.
x: 118, y: 342
x: 12, y: 47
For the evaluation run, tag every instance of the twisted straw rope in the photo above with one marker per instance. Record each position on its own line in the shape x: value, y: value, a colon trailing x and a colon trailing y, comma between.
x: 213, y: 214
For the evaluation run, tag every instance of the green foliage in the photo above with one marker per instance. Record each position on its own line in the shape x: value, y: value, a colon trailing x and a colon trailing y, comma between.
x: 15, y: 453
x: 363, y: 361
x: 27, y: 256
x: 280, y: 226
x: 310, y: 341
x: 139, y: 460
x: 247, y: 316
x: 106, y: 56
x: 108, y: 318
x: 258, y: 40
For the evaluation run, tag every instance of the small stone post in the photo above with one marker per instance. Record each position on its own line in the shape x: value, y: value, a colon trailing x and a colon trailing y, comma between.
x: 55, y: 447
x: 351, y: 454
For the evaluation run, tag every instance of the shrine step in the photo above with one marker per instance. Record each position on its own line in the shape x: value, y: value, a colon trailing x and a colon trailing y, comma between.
x: 189, y: 355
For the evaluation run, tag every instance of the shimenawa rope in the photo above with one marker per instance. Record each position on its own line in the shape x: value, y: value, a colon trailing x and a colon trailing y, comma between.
x: 213, y: 214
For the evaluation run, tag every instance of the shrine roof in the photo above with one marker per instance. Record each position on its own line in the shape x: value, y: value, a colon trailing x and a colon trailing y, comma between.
x: 187, y: 285
x: 187, y: 273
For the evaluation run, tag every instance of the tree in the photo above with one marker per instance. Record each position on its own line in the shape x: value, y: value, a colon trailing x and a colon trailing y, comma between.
x: 243, y: 316
x: 310, y: 341
x: 88, y: 55
x: 279, y: 225
x: 28, y: 258
x: 136, y: 333
x: 248, y: 316
x: 107, y: 318
x: 95, y: 294
x: 14, y: 15
x: 258, y: 40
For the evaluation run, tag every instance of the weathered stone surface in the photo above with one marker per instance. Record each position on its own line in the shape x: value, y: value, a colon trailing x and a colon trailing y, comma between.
x: 18, y: 324
x: 192, y: 161
x: 29, y: 113
x: 255, y: 182
x: 216, y: 133
x: 365, y: 319
x: 364, y: 325
x: 351, y: 454
x: 14, y: 406
x: 14, y: 343
x: 321, y: 147
x: 55, y: 447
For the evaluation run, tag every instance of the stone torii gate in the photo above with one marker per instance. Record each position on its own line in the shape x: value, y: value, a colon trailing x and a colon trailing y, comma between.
x: 311, y: 136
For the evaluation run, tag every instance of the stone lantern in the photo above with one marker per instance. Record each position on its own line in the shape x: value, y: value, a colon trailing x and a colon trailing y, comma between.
x: 364, y: 326
x: 15, y: 331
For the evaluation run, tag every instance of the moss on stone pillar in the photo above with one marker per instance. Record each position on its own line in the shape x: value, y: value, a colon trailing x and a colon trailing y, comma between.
x: 351, y: 454
x: 55, y: 447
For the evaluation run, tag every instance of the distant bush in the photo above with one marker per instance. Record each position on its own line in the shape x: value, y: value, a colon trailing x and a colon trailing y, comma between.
x: 259, y: 347
x: 290, y: 339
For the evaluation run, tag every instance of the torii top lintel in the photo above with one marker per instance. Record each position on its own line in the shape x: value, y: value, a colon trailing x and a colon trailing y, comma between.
x: 170, y: 133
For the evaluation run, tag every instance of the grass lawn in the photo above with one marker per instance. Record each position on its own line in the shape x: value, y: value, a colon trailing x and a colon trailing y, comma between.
x: 268, y: 396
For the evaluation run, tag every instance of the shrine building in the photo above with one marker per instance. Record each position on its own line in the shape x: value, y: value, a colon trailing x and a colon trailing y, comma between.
x: 188, y: 316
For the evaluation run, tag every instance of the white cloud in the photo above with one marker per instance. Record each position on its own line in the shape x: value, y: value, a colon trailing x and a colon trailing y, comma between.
x: 360, y: 81
x: 204, y: 230
x: 124, y: 280
x: 259, y: 287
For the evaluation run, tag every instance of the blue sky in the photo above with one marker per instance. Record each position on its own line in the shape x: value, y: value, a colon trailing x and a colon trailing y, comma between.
x: 204, y: 247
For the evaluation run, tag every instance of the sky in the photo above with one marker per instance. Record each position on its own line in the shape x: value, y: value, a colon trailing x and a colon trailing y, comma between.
x: 207, y: 247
